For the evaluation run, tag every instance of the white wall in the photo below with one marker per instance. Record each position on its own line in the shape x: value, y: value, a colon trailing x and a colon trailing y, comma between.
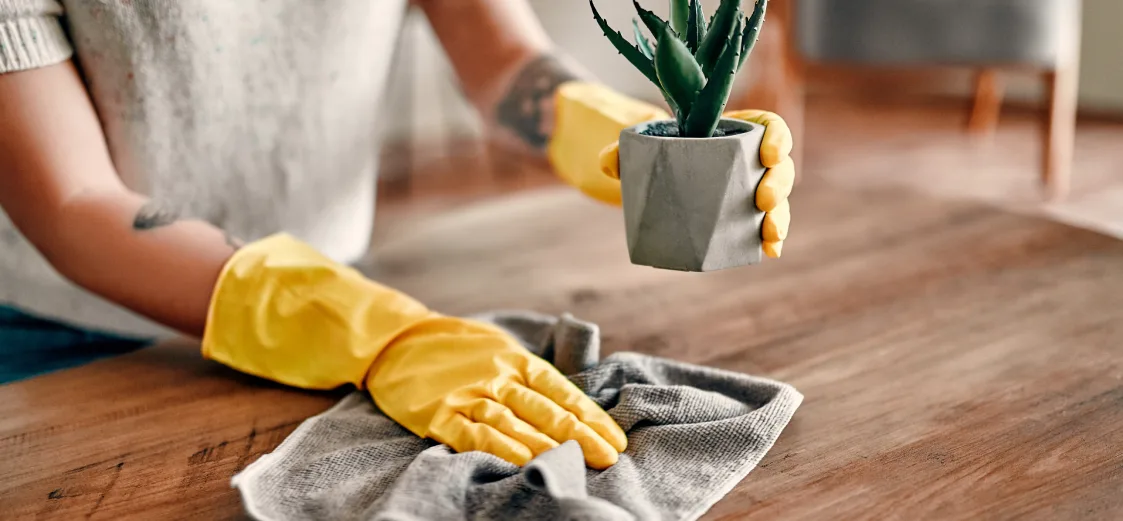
x: 431, y: 85
x: 1102, y: 56
x: 570, y: 23
x: 437, y: 105
x: 423, y: 100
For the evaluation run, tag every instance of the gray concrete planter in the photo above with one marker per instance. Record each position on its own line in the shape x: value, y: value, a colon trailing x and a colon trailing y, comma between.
x: 690, y: 203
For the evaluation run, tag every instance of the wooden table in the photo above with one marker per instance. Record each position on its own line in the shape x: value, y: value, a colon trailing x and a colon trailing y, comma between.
x: 958, y: 362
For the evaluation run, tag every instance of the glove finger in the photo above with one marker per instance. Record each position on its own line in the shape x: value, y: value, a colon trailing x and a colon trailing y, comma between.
x: 610, y: 160
x: 608, y: 193
x: 555, y: 386
x: 559, y: 424
x: 772, y: 248
x: 504, y: 420
x: 465, y: 435
x: 776, y: 223
x: 776, y: 185
x: 777, y: 143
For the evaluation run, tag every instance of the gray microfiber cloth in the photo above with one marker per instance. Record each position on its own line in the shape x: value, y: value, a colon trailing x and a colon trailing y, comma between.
x: 693, y: 434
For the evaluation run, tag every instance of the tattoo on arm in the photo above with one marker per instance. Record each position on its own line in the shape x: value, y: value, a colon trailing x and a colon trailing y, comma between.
x: 154, y: 215
x: 527, y: 108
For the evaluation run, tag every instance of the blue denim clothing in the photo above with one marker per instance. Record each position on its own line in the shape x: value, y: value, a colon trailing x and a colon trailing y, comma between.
x: 31, y: 346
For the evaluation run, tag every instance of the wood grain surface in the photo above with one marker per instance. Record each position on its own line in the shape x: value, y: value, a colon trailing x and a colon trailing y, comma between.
x: 958, y: 362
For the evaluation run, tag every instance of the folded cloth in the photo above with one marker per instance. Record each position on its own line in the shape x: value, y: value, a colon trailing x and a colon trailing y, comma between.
x: 693, y: 434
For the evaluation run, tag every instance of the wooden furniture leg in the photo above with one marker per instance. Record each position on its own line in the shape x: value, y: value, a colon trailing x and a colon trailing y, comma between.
x: 989, y: 91
x: 1060, y: 136
x: 1062, y: 88
x: 777, y: 74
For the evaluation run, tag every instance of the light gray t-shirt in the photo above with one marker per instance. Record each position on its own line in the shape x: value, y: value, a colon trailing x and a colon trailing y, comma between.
x: 258, y: 116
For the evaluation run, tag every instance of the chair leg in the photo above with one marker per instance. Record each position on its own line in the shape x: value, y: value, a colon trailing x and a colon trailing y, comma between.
x: 989, y: 92
x: 1062, y: 85
x: 1060, y: 136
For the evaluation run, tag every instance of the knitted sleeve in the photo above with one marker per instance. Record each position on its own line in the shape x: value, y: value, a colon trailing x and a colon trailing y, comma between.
x: 31, y: 35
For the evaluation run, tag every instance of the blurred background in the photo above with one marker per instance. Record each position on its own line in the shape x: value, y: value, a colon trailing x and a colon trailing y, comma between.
x: 1015, y: 102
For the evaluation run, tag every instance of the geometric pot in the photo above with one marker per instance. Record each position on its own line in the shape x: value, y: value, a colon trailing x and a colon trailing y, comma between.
x: 690, y: 203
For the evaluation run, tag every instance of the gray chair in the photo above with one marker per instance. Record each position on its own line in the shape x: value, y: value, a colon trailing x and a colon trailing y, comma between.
x: 944, y: 32
x: 1042, y: 36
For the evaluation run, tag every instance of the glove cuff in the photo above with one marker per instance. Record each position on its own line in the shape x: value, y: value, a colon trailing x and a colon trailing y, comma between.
x: 285, y: 312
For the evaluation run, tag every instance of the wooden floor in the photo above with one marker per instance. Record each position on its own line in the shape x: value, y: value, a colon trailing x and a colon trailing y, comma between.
x: 922, y: 147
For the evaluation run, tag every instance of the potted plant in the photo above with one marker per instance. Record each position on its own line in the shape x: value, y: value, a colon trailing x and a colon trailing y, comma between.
x: 689, y: 183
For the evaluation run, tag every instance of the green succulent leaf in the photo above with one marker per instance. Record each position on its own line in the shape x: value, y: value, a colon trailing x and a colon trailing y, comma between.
x: 651, y: 20
x: 720, y: 31
x: 680, y: 15
x: 644, y: 45
x: 674, y: 106
x: 633, y: 54
x: 706, y: 111
x: 752, y: 31
x: 695, y: 26
x: 679, y: 75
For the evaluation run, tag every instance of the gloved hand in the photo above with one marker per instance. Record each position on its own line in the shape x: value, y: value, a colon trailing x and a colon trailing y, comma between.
x: 472, y: 386
x: 588, y: 123
x: 284, y: 312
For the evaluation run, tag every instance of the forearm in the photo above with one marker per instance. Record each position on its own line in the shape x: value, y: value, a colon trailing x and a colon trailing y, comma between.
x: 507, y: 66
x: 59, y: 186
x: 129, y: 250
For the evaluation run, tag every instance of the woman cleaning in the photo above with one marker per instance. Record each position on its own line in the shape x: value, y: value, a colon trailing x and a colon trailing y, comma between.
x: 207, y: 168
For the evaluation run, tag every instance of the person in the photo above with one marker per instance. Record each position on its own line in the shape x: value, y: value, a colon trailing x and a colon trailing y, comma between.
x: 207, y: 169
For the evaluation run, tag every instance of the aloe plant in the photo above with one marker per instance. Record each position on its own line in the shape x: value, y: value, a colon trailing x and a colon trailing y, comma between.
x: 692, y: 62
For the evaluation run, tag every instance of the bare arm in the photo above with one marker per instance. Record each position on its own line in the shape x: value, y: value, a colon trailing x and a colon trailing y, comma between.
x: 60, y: 188
x: 506, y: 63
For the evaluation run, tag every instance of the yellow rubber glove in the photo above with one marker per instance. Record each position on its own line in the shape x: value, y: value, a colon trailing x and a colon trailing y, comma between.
x: 590, y: 118
x: 284, y: 312
x: 472, y: 386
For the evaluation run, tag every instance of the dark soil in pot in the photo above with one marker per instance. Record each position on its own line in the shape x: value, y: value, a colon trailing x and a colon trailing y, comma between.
x: 671, y: 129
